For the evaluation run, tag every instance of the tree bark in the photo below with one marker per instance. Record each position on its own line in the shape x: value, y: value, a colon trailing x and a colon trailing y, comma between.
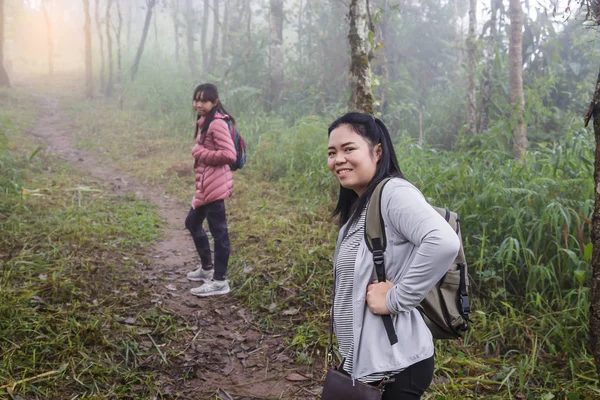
x: 156, y: 43
x: 118, y: 36
x: 49, y: 37
x: 361, y: 98
x: 515, y: 57
x: 190, y: 22
x: 300, y: 34
x: 383, y: 68
x: 594, y: 312
x: 214, y: 48
x: 129, y: 19
x: 110, y: 84
x: 275, y: 55
x: 471, y: 48
x: 4, y: 79
x: 138, y: 56
x: 101, y: 40
x: 205, y: 56
x: 486, y: 87
x: 87, y: 33
x: 225, y: 30
x: 175, y: 15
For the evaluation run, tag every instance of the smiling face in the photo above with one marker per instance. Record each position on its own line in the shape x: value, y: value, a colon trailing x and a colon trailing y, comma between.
x: 203, y: 106
x: 352, y: 159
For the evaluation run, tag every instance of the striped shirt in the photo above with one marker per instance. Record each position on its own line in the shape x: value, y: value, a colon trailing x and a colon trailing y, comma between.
x: 343, y: 317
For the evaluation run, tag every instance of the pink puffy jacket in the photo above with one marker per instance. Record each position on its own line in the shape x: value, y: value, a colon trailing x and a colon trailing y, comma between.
x: 213, y: 152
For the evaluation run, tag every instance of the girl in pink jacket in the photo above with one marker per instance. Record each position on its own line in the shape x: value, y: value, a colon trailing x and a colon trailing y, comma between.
x: 213, y: 152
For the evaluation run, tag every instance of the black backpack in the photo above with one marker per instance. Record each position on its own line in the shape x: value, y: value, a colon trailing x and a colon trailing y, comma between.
x: 240, y: 146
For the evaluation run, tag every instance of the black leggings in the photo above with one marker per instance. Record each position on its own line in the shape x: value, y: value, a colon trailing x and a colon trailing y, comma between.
x: 411, y: 383
x: 214, y: 213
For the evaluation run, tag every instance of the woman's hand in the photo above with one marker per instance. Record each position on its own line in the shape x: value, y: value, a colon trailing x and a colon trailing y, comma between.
x: 196, y: 151
x: 376, y: 293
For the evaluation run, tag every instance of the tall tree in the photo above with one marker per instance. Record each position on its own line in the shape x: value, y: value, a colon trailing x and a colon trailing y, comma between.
x: 225, y: 33
x: 138, y: 55
x: 361, y: 98
x: 101, y: 44
x: 471, y: 48
x: 594, y: 312
x: 515, y: 60
x: 190, y: 29
x: 118, y: 37
x: 175, y: 16
x: 205, y: 58
x: 276, y: 55
x: 110, y: 83
x: 214, y: 48
x: 50, y: 41
x: 87, y: 33
x: 4, y: 80
x: 486, y: 85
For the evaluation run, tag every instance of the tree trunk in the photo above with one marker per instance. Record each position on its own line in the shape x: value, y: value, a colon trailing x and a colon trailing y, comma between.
x: 249, y: 24
x: 175, y: 15
x: 300, y: 34
x: 471, y: 48
x: 156, y: 43
x: 515, y: 57
x: 190, y: 23
x: 4, y: 80
x: 101, y: 40
x: 594, y: 313
x: 214, y: 48
x: 138, y: 56
x: 361, y: 98
x: 225, y: 30
x: 486, y: 87
x: 129, y: 19
x: 108, y: 90
x: 275, y: 55
x: 87, y: 32
x: 49, y: 37
x: 118, y: 35
x: 384, y: 70
x: 205, y: 59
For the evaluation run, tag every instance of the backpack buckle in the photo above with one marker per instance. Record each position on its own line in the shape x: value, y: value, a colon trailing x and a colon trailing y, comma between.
x: 378, y: 257
x: 465, y: 304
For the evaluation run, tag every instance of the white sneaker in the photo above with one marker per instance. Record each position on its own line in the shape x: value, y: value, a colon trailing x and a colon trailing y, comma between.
x: 211, y: 288
x: 201, y: 275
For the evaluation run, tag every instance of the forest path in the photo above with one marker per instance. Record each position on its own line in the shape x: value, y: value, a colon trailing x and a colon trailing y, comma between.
x: 228, y: 357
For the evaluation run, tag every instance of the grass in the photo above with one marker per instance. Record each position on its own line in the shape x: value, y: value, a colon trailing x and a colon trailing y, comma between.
x: 525, y: 229
x: 74, y: 319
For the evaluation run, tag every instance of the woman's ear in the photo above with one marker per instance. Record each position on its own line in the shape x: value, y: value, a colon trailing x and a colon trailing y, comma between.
x: 378, y: 152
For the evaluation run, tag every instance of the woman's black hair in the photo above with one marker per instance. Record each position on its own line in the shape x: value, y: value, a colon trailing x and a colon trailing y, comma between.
x: 209, y: 92
x: 349, y: 206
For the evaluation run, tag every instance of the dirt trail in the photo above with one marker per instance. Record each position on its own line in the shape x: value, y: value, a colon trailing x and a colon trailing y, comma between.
x: 229, y: 357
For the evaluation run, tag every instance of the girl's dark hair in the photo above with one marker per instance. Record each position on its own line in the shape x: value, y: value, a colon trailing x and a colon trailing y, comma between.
x: 209, y: 92
x: 350, y: 205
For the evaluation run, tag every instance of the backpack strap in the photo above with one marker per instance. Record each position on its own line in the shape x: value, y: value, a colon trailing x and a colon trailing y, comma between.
x: 377, y: 242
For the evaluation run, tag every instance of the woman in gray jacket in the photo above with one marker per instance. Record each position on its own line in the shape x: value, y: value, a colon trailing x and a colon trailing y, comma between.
x: 420, y: 248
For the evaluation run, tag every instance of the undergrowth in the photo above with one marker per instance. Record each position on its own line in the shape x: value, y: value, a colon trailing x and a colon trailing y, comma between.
x: 74, y: 319
x: 525, y: 225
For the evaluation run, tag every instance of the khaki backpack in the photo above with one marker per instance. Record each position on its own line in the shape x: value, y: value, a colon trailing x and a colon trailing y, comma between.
x: 446, y: 307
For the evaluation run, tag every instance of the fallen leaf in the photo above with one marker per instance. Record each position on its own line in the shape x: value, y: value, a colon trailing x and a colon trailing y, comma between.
x: 296, y: 377
x: 291, y: 311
